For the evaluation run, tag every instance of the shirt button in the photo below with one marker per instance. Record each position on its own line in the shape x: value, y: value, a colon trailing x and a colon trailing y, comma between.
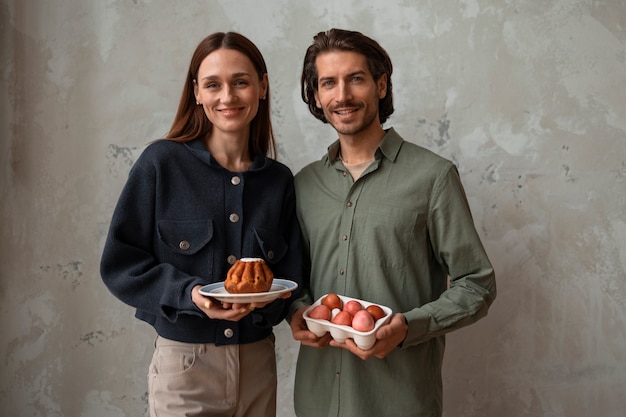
x: 229, y: 333
x: 349, y: 204
x: 235, y: 180
x: 341, y: 272
x: 231, y: 259
x: 234, y: 218
x: 184, y: 245
x: 270, y: 254
x: 344, y: 237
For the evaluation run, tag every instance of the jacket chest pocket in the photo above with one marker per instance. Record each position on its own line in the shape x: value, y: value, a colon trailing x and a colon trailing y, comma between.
x: 180, y: 239
x: 272, y: 245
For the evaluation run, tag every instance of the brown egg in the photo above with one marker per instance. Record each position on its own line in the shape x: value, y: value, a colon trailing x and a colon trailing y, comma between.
x: 352, y: 307
x: 320, y: 312
x: 376, y: 312
x: 343, y: 318
x: 363, y: 321
x: 332, y: 301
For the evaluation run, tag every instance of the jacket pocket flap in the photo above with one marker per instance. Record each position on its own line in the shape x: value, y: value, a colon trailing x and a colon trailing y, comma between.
x: 272, y: 245
x: 185, y: 237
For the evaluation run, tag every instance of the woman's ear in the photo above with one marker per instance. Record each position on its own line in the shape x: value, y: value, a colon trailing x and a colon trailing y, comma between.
x: 264, y: 87
x: 195, y: 91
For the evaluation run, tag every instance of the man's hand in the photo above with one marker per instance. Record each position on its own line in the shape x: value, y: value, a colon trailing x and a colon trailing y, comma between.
x: 300, y: 331
x: 388, y: 337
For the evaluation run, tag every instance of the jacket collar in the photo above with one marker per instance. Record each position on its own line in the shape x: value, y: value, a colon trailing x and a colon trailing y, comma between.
x: 197, y: 148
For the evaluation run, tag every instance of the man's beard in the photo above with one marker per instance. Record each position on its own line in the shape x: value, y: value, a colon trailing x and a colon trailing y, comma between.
x: 352, y: 128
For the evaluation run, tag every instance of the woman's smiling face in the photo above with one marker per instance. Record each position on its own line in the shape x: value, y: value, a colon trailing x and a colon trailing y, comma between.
x: 229, y: 89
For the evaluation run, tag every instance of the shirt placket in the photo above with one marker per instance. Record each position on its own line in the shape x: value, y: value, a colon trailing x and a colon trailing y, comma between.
x: 353, y: 191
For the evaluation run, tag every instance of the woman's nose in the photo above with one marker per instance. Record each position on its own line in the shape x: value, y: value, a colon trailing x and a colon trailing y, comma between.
x: 228, y: 94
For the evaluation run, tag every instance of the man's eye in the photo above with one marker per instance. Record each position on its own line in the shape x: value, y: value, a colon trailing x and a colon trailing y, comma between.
x: 327, y: 84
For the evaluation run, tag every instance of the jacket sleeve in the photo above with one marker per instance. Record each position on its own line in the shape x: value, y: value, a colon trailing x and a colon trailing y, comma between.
x: 458, y: 249
x: 129, y: 267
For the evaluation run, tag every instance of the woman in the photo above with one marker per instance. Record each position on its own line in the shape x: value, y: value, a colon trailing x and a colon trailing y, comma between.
x: 195, y: 202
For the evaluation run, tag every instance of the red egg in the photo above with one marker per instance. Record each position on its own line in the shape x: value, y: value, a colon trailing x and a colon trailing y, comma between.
x: 352, y: 306
x: 332, y: 301
x: 363, y: 321
x: 320, y: 312
x: 376, y: 312
x: 343, y: 318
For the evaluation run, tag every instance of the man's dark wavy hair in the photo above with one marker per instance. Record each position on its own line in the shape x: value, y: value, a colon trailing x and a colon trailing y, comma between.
x: 378, y: 62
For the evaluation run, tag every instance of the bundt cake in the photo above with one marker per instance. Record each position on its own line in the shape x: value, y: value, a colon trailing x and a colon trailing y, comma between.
x: 249, y: 275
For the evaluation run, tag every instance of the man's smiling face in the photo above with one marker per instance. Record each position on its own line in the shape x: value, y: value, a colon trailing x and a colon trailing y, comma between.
x: 347, y: 92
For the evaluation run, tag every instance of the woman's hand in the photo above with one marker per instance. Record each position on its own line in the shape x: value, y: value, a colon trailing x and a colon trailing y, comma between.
x: 216, y: 310
x: 225, y: 311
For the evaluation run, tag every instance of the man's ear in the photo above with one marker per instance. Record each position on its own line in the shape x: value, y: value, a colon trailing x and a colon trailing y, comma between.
x: 382, y: 86
x: 317, y: 99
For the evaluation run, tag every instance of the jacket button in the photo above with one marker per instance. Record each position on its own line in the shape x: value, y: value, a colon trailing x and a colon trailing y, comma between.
x: 184, y: 245
x: 231, y: 259
x: 235, y: 180
x: 270, y: 254
x: 229, y: 333
x: 234, y: 218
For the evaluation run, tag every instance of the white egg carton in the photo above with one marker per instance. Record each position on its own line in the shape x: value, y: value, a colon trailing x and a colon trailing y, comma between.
x: 364, y: 340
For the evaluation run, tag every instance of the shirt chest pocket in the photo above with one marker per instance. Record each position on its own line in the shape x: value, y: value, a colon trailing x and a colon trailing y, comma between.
x: 390, y: 234
x: 185, y: 237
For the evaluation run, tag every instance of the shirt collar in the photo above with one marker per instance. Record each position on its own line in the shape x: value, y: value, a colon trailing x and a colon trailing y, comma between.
x: 391, y: 144
x: 389, y: 147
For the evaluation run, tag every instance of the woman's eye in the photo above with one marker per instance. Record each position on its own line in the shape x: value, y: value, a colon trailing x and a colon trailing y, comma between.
x: 241, y: 83
x: 212, y: 85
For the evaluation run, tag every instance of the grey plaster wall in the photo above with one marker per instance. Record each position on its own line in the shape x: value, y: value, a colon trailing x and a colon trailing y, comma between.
x: 526, y: 96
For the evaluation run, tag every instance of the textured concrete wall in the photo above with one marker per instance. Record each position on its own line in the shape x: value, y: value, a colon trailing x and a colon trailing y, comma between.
x: 527, y: 97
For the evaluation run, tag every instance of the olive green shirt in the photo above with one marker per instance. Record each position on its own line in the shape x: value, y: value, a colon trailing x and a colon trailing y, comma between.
x: 391, y: 237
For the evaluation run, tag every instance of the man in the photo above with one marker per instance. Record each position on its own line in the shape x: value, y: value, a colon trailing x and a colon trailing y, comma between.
x: 384, y: 221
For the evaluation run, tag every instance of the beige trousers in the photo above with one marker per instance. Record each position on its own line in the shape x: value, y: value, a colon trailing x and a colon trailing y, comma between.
x: 204, y: 380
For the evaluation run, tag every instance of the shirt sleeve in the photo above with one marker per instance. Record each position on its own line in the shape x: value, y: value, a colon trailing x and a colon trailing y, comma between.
x: 458, y: 249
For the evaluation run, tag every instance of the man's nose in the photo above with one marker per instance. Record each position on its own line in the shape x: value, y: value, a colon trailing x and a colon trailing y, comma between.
x: 343, y: 92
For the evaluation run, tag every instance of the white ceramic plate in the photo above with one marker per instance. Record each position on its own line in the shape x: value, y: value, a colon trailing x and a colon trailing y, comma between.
x: 279, y: 287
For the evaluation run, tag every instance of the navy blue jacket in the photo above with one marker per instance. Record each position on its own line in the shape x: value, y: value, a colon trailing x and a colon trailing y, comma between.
x: 176, y: 192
